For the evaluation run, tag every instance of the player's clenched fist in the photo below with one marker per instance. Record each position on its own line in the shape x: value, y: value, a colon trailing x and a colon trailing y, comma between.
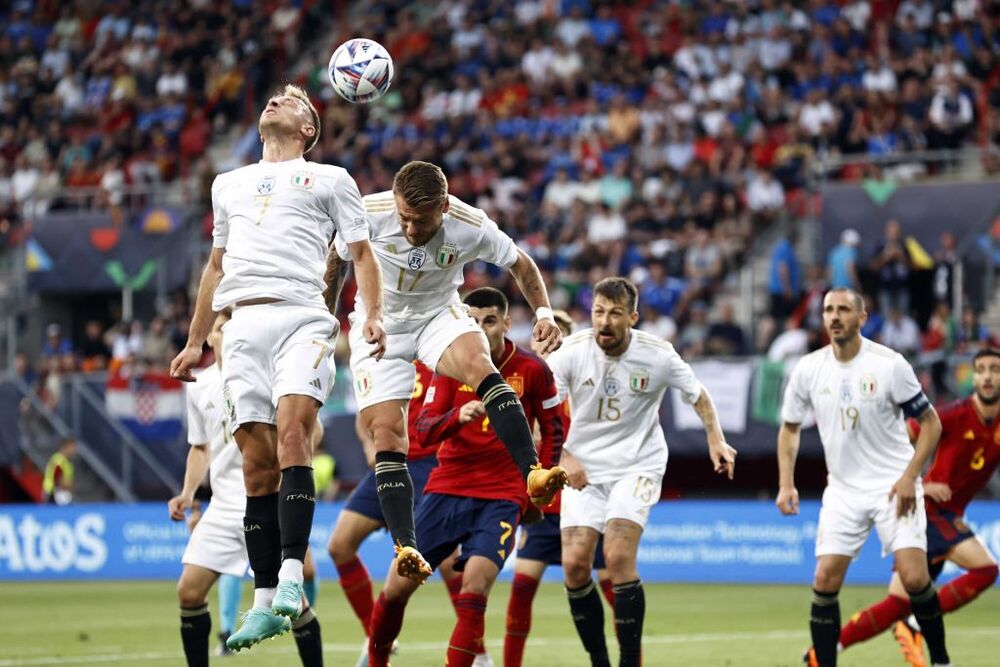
x: 788, y: 500
x: 471, y: 411
x: 576, y: 474
x: 375, y: 335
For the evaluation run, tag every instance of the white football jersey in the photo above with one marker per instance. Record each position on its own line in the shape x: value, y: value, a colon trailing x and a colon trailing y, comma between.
x: 615, y: 402
x: 276, y: 221
x: 422, y: 281
x: 859, y: 408
x: 207, y: 425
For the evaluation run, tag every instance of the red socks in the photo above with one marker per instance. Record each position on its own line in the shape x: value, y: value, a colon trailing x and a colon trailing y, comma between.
x: 609, y: 591
x: 871, y: 621
x: 964, y: 589
x: 467, y: 639
x: 522, y: 593
x: 387, y: 619
x: 454, y: 586
x: 357, y: 585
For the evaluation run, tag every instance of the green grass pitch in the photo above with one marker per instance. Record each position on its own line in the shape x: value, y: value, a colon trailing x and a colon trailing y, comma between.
x: 136, y: 623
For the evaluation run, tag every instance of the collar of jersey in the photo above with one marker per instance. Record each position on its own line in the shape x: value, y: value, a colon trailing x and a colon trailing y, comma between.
x: 300, y: 159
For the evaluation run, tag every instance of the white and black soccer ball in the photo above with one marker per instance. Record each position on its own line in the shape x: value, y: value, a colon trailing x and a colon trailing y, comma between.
x: 360, y: 70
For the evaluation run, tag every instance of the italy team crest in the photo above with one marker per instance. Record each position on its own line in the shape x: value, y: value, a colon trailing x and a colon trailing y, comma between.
x: 446, y: 255
x: 363, y: 384
x: 303, y: 179
x: 611, y: 385
x: 265, y: 185
x: 868, y: 386
x: 416, y: 258
x: 227, y: 396
x: 638, y: 380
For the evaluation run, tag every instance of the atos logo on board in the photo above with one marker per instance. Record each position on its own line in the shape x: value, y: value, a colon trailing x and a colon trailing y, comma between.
x: 29, y: 545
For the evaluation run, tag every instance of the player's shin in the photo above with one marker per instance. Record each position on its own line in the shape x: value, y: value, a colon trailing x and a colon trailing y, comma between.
x: 308, y: 639
x: 395, y: 496
x: 296, y: 507
x: 630, y: 612
x: 874, y: 620
x: 588, y: 615
x: 522, y: 593
x: 387, y: 619
x: 824, y: 625
x: 467, y: 639
x: 966, y: 588
x: 263, y: 536
x: 230, y: 596
x: 927, y: 610
x: 357, y: 585
x: 196, y: 626
x: 508, y: 420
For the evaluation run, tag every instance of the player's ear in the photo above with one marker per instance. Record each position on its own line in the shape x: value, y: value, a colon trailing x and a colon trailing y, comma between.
x: 506, y: 323
x: 309, y: 130
x: 633, y: 318
x: 447, y: 204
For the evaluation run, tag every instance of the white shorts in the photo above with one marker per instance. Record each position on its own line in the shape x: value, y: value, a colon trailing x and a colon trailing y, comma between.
x: 392, y: 377
x: 273, y: 350
x: 846, y: 518
x: 217, y: 543
x: 629, y: 498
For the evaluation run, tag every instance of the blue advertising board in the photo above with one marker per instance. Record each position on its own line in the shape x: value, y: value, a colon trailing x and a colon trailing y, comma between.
x: 685, y: 541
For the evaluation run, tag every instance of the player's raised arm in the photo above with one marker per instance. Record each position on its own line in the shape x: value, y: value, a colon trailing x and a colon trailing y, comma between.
x: 788, y: 450
x: 723, y: 456
x: 369, y: 277
x: 529, y: 279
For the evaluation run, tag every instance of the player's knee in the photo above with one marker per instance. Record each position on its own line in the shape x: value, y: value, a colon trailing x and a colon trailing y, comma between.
x: 340, y: 550
x: 295, y: 438
x: 188, y: 595
x: 576, y: 570
x: 829, y: 582
x: 390, y: 437
x: 990, y: 573
x: 620, y: 562
x: 260, y: 480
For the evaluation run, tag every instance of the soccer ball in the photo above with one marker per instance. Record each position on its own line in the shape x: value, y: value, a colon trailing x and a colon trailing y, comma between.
x: 360, y: 70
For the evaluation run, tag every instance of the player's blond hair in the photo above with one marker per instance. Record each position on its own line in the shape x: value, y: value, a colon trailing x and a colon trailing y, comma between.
x: 420, y: 184
x: 291, y: 90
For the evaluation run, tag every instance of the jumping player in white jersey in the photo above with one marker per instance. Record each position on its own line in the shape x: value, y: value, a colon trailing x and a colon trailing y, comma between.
x: 217, y: 545
x: 423, y: 238
x: 861, y: 392
x: 274, y: 224
x: 614, y: 377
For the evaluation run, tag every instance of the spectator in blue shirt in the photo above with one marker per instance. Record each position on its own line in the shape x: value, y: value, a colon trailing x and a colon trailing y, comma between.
x: 55, y: 345
x: 785, y: 283
x: 843, y: 261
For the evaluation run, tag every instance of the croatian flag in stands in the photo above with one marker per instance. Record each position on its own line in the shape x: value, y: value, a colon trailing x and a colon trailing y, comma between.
x: 151, y: 406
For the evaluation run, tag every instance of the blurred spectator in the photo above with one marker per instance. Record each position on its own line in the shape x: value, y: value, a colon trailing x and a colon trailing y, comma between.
x: 945, y: 260
x: 901, y: 333
x: 94, y: 352
x: 892, y: 264
x: 765, y: 196
x: 691, y: 342
x: 57, y: 482
x: 725, y: 337
x: 971, y: 334
x: 872, y: 328
x: 843, y: 261
x: 157, y: 348
x: 785, y: 281
x: 791, y: 343
x: 950, y: 116
x: 56, y: 345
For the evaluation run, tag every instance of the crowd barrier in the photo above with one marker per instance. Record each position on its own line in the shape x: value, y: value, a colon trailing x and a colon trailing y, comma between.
x: 685, y: 541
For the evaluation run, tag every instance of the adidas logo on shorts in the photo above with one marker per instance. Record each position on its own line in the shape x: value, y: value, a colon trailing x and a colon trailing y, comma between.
x: 316, y: 383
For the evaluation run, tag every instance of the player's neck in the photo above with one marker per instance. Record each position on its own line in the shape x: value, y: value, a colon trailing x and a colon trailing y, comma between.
x: 281, y: 149
x: 846, y: 351
x: 987, y: 412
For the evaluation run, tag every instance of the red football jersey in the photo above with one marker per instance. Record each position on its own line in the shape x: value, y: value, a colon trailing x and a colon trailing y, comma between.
x: 420, y: 387
x: 967, y: 454
x: 472, y: 461
x: 547, y: 459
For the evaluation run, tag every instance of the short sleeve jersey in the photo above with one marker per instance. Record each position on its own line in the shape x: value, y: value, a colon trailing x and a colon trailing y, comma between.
x: 277, y: 221
x: 615, y: 402
x: 422, y: 281
x: 859, y: 408
x: 207, y: 426
x: 967, y: 454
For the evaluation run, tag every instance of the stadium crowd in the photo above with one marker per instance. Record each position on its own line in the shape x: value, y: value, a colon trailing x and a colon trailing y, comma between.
x: 648, y: 139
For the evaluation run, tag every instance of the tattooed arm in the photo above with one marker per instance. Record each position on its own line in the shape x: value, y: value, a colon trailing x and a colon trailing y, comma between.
x: 336, y: 273
x: 723, y: 456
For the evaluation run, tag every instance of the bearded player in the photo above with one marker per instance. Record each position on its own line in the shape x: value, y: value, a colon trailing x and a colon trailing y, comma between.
x: 475, y: 498
x: 967, y: 456
x: 423, y: 238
